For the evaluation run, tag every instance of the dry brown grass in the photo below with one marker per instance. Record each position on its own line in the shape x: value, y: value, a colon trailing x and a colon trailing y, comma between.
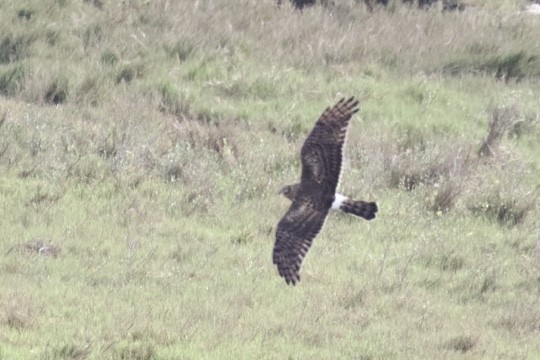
x: 37, y: 247
x: 501, y: 121
x: 344, y: 38
x: 448, y: 173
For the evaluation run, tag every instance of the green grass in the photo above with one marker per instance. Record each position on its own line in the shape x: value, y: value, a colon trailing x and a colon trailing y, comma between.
x: 147, y: 141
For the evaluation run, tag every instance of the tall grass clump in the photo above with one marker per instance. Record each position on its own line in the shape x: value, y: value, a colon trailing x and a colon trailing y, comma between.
x: 501, y: 121
x: 13, y: 48
x: 513, y: 66
x: 12, y: 80
x: 172, y: 100
x: 181, y: 50
x: 57, y: 91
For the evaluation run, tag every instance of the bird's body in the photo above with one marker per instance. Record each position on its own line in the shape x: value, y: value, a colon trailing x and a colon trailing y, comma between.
x: 315, y: 195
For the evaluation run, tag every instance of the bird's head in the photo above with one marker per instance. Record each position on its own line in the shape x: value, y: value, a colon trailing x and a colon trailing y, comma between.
x: 290, y: 191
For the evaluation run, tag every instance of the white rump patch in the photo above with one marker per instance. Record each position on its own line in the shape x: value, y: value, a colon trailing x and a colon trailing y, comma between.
x: 338, y: 200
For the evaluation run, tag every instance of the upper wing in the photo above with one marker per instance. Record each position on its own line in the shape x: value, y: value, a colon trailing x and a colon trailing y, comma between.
x: 322, y: 151
x: 294, y: 235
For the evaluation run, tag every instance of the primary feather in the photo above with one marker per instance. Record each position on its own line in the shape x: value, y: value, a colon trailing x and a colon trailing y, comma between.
x: 313, y: 197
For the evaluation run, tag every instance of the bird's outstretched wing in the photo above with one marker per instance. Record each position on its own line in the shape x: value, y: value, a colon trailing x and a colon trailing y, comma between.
x: 321, y: 157
x: 322, y: 151
x: 294, y: 235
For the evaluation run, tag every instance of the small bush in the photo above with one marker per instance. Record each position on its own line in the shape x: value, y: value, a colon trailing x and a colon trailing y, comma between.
x: 11, y: 80
x: 174, y: 173
x: 126, y: 75
x: 171, y: 100
x: 90, y: 91
x: 43, y: 248
x: 506, y: 211
x: 57, y: 92
x: 71, y: 351
x: 262, y: 88
x: 242, y: 238
x: 19, y: 315
x: 97, y: 3
x: 489, y: 283
x: 138, y: 351
x: 527, y: 124
x: 92, y: 35
x: 451, y: 262
x: 501, y: 120
x: 13, y: 48
x: 181, y: 50
x: 354, y: 299
x: 433, y: 164
x: 109, y: 58
x: 446, y: 195
x: 111, y: 143
x: 53, y: 36
x: 515, y: 66
x: 16, y: 321
x: 512, y: 66
x: 461, y: 343
x: 25, y: 14
x: 219, y: 138
x: 129, y: 73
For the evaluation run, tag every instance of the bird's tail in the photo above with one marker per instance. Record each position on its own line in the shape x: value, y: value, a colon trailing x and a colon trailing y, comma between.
x: 359, y: 208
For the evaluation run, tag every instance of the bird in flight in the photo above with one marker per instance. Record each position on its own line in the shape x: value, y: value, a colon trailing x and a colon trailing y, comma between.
x: 315, y: 195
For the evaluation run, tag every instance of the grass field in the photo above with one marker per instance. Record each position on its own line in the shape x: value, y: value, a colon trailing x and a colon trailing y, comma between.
x: 143, y: 145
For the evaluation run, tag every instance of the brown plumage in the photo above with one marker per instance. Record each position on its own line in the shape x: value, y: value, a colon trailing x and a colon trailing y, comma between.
x: 315, y: 195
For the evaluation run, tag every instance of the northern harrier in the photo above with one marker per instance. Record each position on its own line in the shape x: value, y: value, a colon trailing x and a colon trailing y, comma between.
x: 315, y: 195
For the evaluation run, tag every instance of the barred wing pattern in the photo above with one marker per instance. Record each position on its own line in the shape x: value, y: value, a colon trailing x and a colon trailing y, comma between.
x: 321, y: 157
x: 294, y: 234
x: 322, y: 151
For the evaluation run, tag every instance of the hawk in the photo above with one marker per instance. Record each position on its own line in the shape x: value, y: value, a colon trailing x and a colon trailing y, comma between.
x: 315, y: 195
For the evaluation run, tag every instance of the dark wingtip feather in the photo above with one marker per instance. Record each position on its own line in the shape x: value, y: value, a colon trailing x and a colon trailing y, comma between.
x: 351, y: 103
x: 354, y: 104
x: 294, y: 279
